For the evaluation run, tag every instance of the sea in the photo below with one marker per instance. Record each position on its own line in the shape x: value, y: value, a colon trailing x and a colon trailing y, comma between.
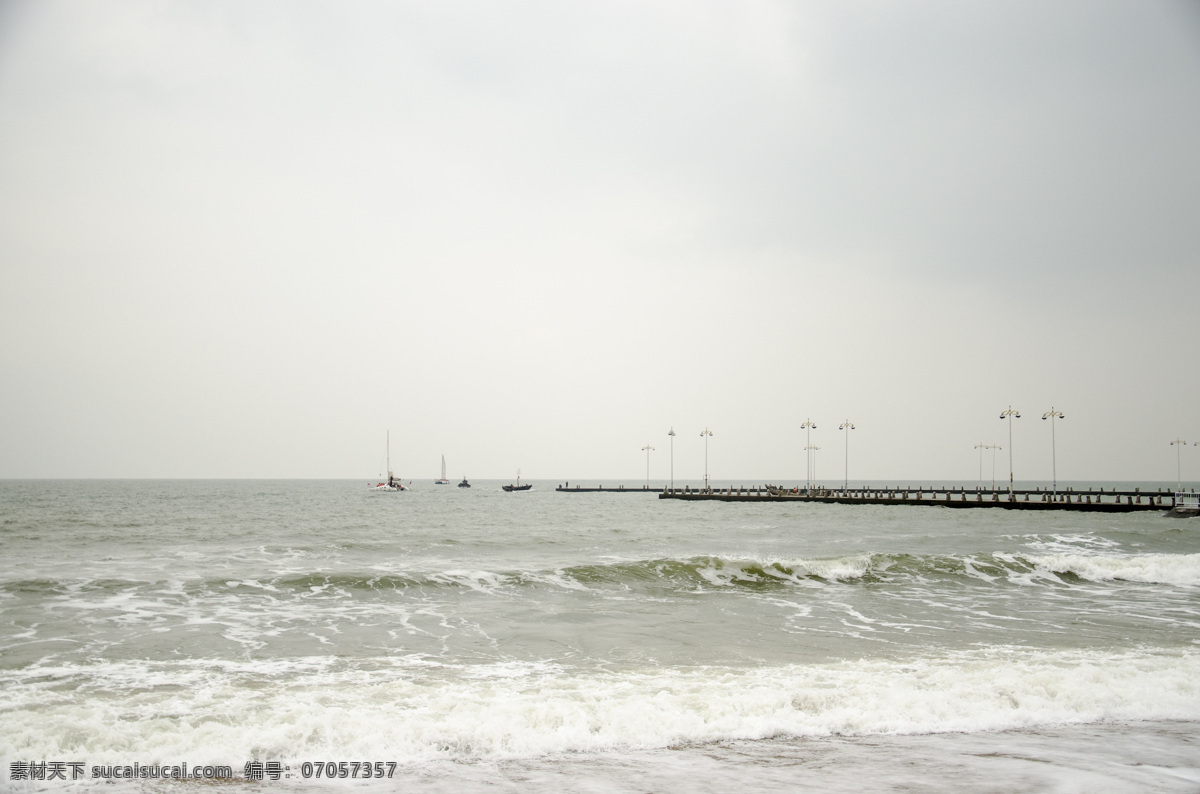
x: 312, y: 636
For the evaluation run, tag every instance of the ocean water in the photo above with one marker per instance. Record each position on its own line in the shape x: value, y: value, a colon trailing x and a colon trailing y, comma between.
x: 471, y: 640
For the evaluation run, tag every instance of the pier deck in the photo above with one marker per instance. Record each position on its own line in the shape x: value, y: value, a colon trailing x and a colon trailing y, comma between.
x: 1083, y: 501
x: 601, y: 489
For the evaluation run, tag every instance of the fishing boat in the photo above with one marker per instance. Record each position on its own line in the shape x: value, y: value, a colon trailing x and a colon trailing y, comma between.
x: 442, y: 480
x: 464, y: 483
x: 392, y: 483
x: 518, y: 486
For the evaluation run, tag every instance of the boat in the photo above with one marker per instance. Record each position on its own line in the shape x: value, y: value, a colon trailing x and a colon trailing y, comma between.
x: 391, y: 484
x: 442, y: 480
x: 464, y: 483
x: 518, y: 486
x: 1187, y: 505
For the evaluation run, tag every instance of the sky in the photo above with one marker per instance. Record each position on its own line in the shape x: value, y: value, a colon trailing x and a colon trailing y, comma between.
x: 253, y: 239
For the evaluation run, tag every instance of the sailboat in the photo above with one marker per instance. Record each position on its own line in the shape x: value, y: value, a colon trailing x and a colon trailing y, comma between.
x: 518, y: 486
x: 392, y: 484
x: 442, y: 480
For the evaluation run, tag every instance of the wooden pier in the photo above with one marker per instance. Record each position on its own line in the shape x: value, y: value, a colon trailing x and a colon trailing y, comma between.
x: 645, y: 489
x: 1101, y: 501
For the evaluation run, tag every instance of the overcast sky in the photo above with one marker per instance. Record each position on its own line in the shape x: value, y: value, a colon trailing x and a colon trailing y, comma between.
x: 246, y: 239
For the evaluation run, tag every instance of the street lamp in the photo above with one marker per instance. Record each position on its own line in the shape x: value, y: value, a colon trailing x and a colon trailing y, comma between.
x: 981, y: 447
x: 808, y: 469
x: 671, y: 433
x: 647, y: 449
x: 1177, y: 443
x: 1052, y: 415
x: 706, y: 433
x: 812, y: 451
x: 847, y: 426
x: 1010, y: 413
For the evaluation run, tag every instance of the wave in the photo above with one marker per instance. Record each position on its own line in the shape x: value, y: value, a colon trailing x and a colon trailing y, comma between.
x: 690, y: 574
x: 1168, y: 569
x: 666, y: 573
x: 414, y: 710
x: 696, y: 573
x: 1172, y: 569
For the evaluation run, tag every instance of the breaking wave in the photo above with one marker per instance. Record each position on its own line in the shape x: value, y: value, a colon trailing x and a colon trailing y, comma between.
x: 699, y: 573
x: 415, y: 709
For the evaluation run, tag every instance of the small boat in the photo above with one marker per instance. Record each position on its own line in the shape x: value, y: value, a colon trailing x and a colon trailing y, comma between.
x: 391, y: 484
x: 442, y: 480
x: 518, y: 486
x: 1187, y: 505
x: 464, y: 483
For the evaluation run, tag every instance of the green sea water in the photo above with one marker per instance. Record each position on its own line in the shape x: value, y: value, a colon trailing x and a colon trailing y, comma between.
x: 474, y: 638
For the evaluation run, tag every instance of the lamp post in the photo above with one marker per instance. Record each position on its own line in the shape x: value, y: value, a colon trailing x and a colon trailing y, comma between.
x: 671, y: 433
x: 706, y: 433
x: 994, y: 447
x: 1010, y: 413
x: 812, y: 451
x: 847, y: 426
x: 1052, y: 415
x: 647, y: 449
x: 981, y: 447
x: 808, y: 468
x: 1177, y: 443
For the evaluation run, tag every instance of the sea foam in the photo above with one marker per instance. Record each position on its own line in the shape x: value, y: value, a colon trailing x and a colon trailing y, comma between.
x: 320, y: 708
x: 1172, y: 569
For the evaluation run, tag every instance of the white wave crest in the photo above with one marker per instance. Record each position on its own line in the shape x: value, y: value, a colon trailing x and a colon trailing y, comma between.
x: 839, y: 568
x: 481, y: 581
x: 726, y: 570
x: 1173, y: 569
x: 227, y: 713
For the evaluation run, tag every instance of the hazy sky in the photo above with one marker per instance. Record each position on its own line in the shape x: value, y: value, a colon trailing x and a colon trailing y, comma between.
x: 246, y: 239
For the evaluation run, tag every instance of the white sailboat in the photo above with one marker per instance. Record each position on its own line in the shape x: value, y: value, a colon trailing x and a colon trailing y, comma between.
x: 392, y: 484
x: 442, y: 480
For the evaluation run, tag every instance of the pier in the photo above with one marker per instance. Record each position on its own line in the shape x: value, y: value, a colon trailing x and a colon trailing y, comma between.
x: 1101, y: 501
x: 645, y: 489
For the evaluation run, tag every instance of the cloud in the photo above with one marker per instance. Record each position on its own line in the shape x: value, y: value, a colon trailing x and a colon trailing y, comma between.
x: 530, y: 234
